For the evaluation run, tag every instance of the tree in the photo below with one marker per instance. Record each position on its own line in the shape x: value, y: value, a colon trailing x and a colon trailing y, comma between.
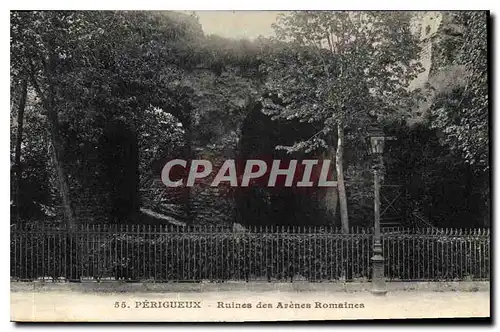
x: 461, y: 112
x: 34, y: 37
x: 92, y: 68
x: 459, y: 109
x: 19, y: 138
x: 341, y: 69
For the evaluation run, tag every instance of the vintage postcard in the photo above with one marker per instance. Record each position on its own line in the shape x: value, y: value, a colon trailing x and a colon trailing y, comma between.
x: 236, y: 166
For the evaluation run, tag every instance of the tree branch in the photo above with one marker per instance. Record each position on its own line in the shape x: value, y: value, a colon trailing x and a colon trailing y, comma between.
x: 35, y: 83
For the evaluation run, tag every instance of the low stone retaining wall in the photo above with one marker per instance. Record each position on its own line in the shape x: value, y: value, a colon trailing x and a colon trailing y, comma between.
x: 123, y: 287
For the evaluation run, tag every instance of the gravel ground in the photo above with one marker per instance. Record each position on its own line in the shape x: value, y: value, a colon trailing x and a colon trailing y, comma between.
x: 76, y: 306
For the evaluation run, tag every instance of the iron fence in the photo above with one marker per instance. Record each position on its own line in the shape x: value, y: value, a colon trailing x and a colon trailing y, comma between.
x: 215, y: 253
x: 437, y: 254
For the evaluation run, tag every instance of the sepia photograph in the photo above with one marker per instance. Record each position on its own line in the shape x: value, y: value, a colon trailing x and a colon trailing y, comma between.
x: 249, y: 166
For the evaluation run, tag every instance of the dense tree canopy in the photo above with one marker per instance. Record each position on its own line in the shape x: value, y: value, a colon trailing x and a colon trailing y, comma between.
x: 343, y: 70
x: 462, y: 112
x: 100, y: 100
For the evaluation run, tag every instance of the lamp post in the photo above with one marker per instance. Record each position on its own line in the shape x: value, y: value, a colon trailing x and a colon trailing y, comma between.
x: 377, y: 139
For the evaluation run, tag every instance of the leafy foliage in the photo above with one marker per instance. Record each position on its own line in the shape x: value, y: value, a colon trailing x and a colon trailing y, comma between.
x: 462, y: 114
x: 91, y: 69
x: 341, y: 67
x: 175, y: 92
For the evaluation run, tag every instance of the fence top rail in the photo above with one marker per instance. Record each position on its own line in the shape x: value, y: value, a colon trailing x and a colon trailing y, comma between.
x: 238, y: 229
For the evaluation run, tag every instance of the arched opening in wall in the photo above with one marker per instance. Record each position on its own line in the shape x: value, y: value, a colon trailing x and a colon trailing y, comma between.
x: 119, y: 154
x: 259, y: 205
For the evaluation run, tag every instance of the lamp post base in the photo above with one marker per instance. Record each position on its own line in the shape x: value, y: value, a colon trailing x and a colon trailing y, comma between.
x: 378, y: 292
x: 378, y: 280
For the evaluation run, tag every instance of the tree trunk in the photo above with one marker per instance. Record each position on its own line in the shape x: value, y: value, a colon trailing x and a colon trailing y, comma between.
x: 340, y: 179
x: 185, y: 117
x: 48, y: 101
x: 19, y: 139
x: 62, y: 177
x: 331, y: 197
